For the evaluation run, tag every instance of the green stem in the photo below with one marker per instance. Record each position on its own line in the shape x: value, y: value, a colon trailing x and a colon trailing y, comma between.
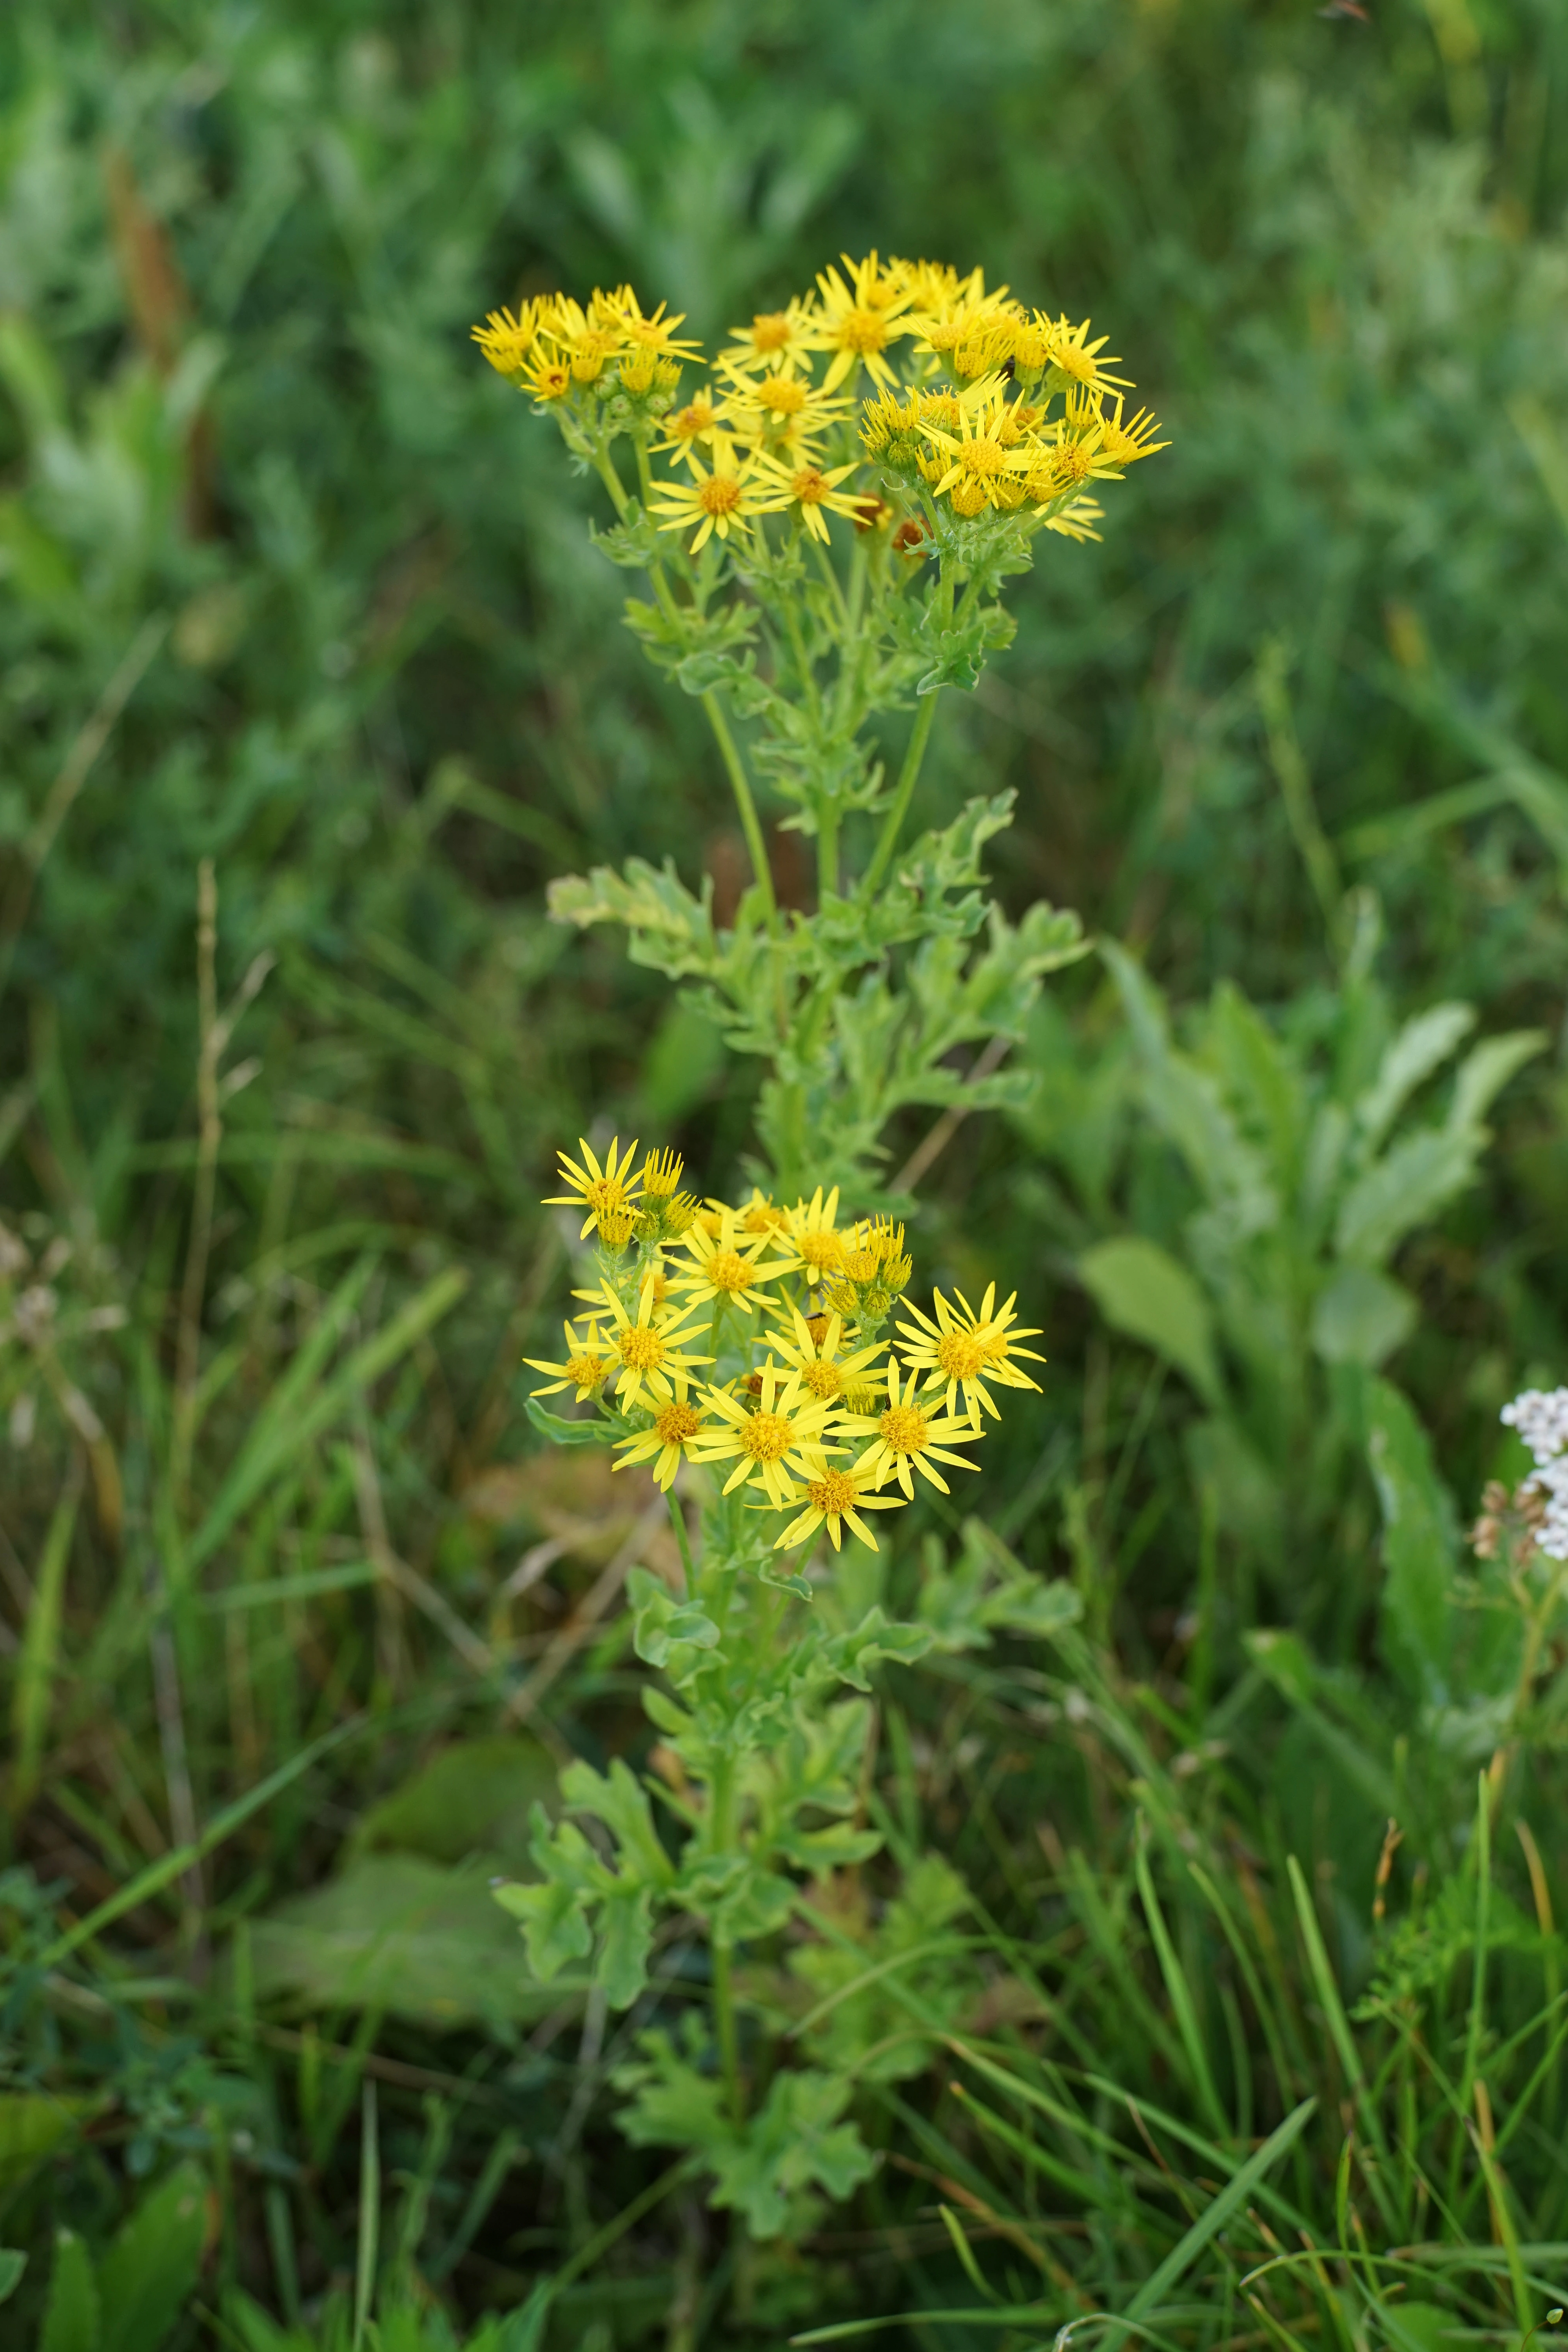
x: 749, y: 824
x: 826, y: 850
x: 604, y: 466
x: 893, y: 822
x: 720, y: 1838
x: 678, y: 1521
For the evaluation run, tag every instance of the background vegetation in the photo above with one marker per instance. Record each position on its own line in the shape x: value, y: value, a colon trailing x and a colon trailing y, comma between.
x: 296, y: 598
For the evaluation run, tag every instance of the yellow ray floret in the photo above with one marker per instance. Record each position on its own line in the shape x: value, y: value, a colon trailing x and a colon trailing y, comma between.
x: 650, y: 1347
x: 506, y: 342
x: 812, y: 493
x: 766, y: 1444
x: 961, y: 1351
x: 814, y: 1347
x: 725, y: 1265
x: 782, y: 412
x: 588, y: 1364
x: 908, y: 1437
x: 834, y: 1498
x: 859, y: 319
x: 702, y: 420
x: 677, y: 1426
x: 654, y: 334
x: 723, y: 498
x: 812, y: 1228
x: 775, y: 341
x: 608, y: 1192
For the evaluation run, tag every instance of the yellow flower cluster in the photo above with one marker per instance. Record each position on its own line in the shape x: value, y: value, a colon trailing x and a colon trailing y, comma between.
x: 963, y: 383
x: 784, y: 1308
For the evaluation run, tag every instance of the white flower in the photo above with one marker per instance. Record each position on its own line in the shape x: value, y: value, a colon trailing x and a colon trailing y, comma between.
x: 1541, y: 1417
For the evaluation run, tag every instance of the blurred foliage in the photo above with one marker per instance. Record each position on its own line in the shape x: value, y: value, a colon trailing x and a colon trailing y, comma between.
x: 288, y: 584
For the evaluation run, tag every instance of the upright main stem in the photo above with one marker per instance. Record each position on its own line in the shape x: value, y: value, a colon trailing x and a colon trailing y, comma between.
x: 721, y: 1834
x: 749, y: 824
x: 893, y: 822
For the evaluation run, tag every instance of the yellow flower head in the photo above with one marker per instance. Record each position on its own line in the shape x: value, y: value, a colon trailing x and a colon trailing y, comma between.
x: 702, y: 419
x: 506, y: 342
x: 908, y: 1437
x: 766, y: 1444
x: 782, y: 414
x: 989, y: 457
x: 813, y: 493
x: 779, y: 341
x: 545, y: 373
x: 650, y: 1347
x: 722, y: 500
x: 871, y: 1273
x: 661, y: 1173
x: 1125, y: 443
x: 859, y: 319
x: 606, y: 1191
x: 812, y: 1226
x: 834, y: 1498
x: 677, y: 1425
x: 587, y: 1367
x: 812, y: 1350
x: 1074, y: 360
x: 725, y: 1265
x: 654, y: 334
x: 961, y: 1351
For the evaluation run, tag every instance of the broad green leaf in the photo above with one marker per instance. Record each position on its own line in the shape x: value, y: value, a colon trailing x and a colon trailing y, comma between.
x: 1487, y: 1069
x: 150, y: 2270
x: 621, y: 1803
x: 1284, y: 1657
x: 1420, y: 1546
x: 71, y: 2312
x: 1423, y: 1045
x: 626, y: 1920
x: 13, y: 2262
x: 1142, y: 1290
x: 397, y: 1933
x: 1416, y: 1178
x: 474, y: 1797
x: 661, y: 1625
x: 1361, y: 1318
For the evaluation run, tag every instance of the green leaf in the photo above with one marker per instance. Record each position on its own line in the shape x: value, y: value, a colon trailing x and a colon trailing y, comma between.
x: 395, y: 1932
x: 1142, y: 1290
x: 561, y: 1431
x: 150, y: 2270
x: 670, y: 930
x: 71, y: 2314
x: 1420, y: 1546
x: 473, y: 1798
x: 626, y: 1916
x: 1423, y: 1045
x: 33, y: 1692
x: 1361, y: 1318
x: 661, y: 1625
x: 554, y: 1923
x: 13, y: 2262
x: 621, y: 1803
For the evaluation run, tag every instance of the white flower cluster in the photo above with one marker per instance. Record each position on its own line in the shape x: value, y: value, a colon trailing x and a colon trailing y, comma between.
x: 1541, y: 1417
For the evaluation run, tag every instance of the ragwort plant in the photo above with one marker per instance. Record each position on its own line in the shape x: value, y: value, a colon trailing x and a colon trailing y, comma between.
x: 839, y: 504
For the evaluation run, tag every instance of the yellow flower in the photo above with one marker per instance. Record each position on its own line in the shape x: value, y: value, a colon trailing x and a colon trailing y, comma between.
x: 721, y: 501
x: 1074, y: 358
x: 586, y: 1367
x: 811, y: 1226
x: 724, y: 1265
x: 873, y: 1270
x: 767, y: 1443
x: 656, y: 334
x: 545, y: 373
x: 988, y: 457
x: 908, y: 1437
x: 588, y: 339
x: 605, y: 1192
x: 811, y: 491
x: 1077, y: 518
x: 661, y: 1173
x: 1125, y: 443
x: 775, y: 339
x: 781, y: 412
x: 677, y: 1426
x: 812, y: 1352
x: 963, y: 1349
x: 506, y: 342
x: 860, y: 320
x: 835, y: 1499
x: 650, y: 1349
x: 702, y: 419
x: 759, y: 1215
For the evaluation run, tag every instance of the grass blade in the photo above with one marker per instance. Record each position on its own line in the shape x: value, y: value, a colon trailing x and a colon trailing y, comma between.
x: 36, y: 1665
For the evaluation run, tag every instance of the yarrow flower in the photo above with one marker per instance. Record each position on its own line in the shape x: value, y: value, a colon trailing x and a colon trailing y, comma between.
x: 1541, y: 1417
